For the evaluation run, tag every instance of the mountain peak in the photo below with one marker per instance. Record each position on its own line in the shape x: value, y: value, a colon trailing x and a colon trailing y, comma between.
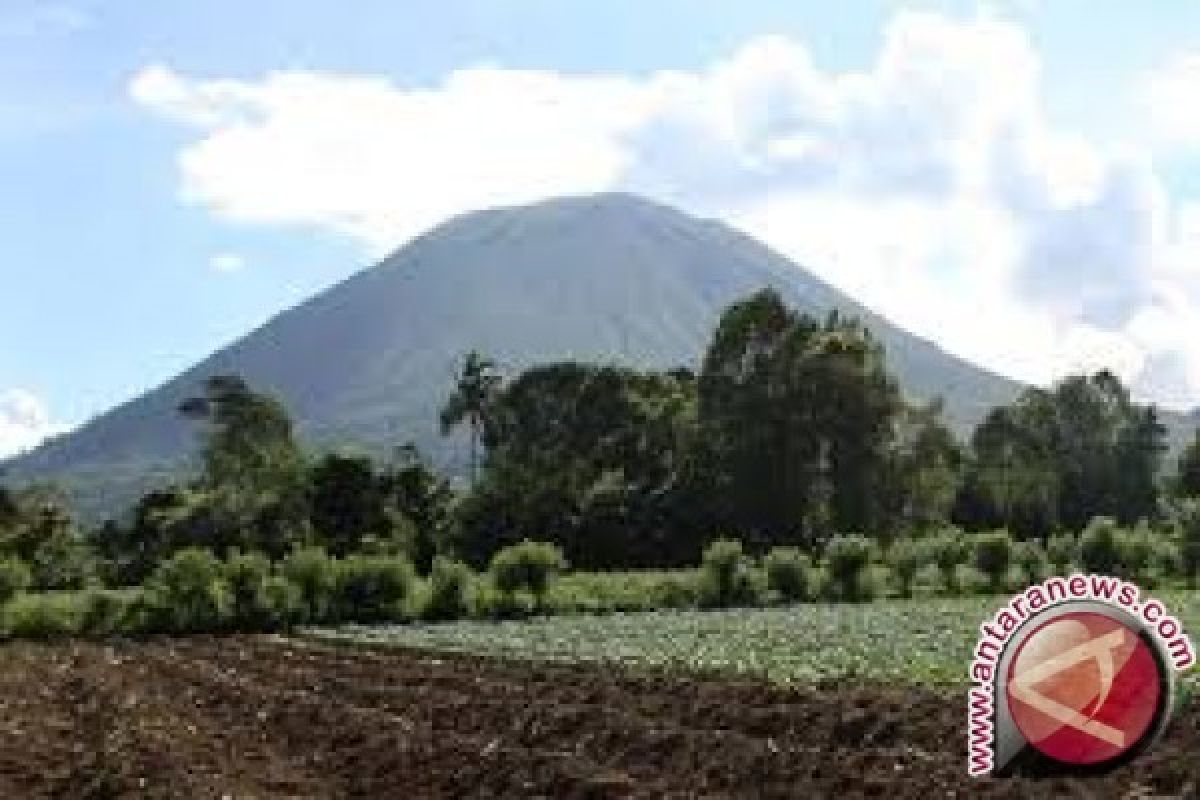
x: 611, y: 277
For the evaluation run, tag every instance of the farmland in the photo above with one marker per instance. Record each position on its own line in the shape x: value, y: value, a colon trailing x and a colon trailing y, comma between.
x: 266, y: 717
x: 922, y: 642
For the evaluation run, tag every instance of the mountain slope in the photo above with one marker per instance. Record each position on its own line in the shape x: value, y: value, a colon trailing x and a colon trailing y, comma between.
x: 369, y: 361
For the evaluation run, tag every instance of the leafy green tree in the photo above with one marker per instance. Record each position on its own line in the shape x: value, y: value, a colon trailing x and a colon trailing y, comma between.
x: 253, y: 490
x: 347, y: 503
x: 1060, y: 457
x: 593, y: 459
x: 474, y: 395
x: 1187, y: 469
x: 795, y: 417
x: 926, y: 466
x: 414, y: 492
x: 37, y: 529
x: 1012, y: 481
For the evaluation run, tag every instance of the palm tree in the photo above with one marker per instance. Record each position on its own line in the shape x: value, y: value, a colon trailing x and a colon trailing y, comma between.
x: 476, y: 390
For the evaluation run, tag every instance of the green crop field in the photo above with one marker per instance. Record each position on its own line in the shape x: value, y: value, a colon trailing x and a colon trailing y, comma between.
x: 925, y: 641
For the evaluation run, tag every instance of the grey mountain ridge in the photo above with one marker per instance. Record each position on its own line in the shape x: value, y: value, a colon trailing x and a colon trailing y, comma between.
x: 367, y: 363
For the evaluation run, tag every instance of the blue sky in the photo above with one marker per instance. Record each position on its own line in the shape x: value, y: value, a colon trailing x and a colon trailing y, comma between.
x: 172, y: 174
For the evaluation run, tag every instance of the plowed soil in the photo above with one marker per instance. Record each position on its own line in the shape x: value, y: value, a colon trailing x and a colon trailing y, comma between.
x: 261, y: 717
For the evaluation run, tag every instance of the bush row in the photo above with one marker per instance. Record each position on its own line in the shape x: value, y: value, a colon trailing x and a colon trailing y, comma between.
x: 195, y: 591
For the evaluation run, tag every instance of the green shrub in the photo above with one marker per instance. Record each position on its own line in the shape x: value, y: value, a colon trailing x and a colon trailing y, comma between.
x: 373, y: 588
x: 727, y: 576
x: 1062, y: 550
x: 39, y: 616
x: 788, y: 571
x: 529, y: 566
x: 1135, y: 551
x: 1031, y: 562
x: 949, y: 551
x: 632, y: 590
x: 873, y: 583
x: 492, y: 603
x: 1166, y: 560
x: 905, y: 557
x: 103, y: 612
x: 14, y: 578
x: 970, y: 580
x: 245, y: 574
x: 929, y: 577
x: 449, y: 590
x: 1186, y: 517
x: 847, y: 556
x: 279, y: 603
x: 188, y: 592
x: 993, y: 556
x: 1100, y: 546
x: 314, y: 574
x: 675, y: 589
x: 63, y: 562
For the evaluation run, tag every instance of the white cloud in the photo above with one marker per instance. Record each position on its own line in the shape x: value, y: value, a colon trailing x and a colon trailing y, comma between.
x: 380, y: 163
x: 1172, y: 94
x: 930, y: 185
x: 227, y: 262
x: 24, y: 422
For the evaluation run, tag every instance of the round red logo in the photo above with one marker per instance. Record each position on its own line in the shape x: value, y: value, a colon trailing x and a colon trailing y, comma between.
x: 1084, y: 689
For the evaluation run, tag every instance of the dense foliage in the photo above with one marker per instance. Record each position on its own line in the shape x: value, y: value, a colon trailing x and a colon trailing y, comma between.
x: 791, y: 435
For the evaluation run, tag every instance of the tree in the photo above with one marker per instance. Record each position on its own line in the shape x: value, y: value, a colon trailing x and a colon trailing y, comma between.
x: 347, y: 503
x: 1187, y: 470
x: 37, y: 529
x: 796, y: 417
x: 252, y: 492
x: 472, y: 400
x: 413, y: 491
x: 1012, y: 480
x: 1064, y: 456
x: 926, y: 463
x: 593, y: 459
x: 249, y: 441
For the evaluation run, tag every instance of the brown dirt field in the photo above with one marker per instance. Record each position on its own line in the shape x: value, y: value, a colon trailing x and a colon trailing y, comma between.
x: 260, y: 717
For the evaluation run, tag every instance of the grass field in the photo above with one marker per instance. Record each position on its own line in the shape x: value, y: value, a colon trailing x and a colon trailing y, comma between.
x: 923, y: 642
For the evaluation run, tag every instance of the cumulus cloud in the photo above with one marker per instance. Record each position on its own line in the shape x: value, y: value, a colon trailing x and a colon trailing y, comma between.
x: 24, y: 422
x: 930, y: 184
